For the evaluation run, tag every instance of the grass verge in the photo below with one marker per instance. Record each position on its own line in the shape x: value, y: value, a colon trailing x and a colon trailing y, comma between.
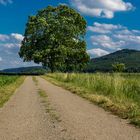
x: 49, y: 109
x: 8, y: 85
x: 118, y: 93
x: 35, y: 80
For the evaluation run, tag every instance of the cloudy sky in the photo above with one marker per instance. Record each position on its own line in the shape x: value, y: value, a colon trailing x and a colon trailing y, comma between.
x: 112, y: 25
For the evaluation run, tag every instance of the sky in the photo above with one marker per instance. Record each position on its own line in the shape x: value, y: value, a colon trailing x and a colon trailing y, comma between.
x: 111, y: 25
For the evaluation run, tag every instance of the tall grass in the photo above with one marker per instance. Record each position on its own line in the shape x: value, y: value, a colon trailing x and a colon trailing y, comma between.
x: 8, y: 84
x: 119, y: 93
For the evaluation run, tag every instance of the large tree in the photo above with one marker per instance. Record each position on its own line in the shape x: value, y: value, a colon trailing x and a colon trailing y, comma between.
x: 55, y: 38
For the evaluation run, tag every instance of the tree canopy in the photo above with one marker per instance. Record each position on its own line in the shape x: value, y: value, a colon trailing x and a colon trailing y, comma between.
x: 55, y: 38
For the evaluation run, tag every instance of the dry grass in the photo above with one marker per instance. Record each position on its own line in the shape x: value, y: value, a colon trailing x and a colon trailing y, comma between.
x: 54, y: 116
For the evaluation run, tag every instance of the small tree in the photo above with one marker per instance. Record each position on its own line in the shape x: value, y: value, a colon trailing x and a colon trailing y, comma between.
x: 119, y: 67
x: 55, y: 38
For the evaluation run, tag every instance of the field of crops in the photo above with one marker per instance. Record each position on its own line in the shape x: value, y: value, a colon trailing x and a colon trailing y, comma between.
x: 8, y: 84
x: 119, y: 93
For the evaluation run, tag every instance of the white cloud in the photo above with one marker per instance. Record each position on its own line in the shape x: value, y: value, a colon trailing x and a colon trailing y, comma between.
x: 114, y: 37
x: 5, y: 2
x: 17, y: 36
x: 12, y: 37
x: 11, y: 41
x: 106, y: 42
x: 101, y: 8
x: 97, y: 52
x: 9, y: 48
x: 136, y: 31
x: 104, y: 28
x: 3, y: 37
x: 0, y: 59
x: 10, y: 45
x: 128, y: 38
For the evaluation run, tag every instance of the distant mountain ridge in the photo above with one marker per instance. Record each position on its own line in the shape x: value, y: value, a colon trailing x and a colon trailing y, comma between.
x: 131, y: 59
x: 33, y: 69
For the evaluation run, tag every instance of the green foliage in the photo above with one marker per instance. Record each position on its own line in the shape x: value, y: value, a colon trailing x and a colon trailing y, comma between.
x: 119, y: 93
x: 131, y: 59
x: 55, y: 38
x: 118, y: 67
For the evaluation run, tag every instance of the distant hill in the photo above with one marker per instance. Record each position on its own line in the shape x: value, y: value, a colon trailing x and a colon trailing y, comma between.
x: 28, y: 70
x: 131, y: 58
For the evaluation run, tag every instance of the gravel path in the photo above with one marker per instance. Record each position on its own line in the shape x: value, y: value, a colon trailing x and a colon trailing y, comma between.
x: 85, y: 121
x: 24, y: 117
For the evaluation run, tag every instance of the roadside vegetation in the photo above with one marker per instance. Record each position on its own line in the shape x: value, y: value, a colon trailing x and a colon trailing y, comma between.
x: 118, y: 93
x: 8, y: 84
x: 35, y: 80
x: 54, y: 116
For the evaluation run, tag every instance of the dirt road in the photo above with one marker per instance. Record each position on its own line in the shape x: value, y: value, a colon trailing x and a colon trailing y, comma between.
x: 24, y: 117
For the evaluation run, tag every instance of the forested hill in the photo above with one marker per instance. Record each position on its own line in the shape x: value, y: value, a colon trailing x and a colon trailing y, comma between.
x: 131, y: 59
x: 28, y: 70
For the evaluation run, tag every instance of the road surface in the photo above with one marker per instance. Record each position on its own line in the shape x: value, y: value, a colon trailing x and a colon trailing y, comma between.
x: 24, y: 117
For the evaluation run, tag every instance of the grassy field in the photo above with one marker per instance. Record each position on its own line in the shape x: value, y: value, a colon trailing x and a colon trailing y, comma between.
x: 8, y: 85
x: 118, y: 93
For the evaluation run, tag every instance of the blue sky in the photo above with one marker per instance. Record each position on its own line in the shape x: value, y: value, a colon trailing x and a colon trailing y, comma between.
x: 111, y: 25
